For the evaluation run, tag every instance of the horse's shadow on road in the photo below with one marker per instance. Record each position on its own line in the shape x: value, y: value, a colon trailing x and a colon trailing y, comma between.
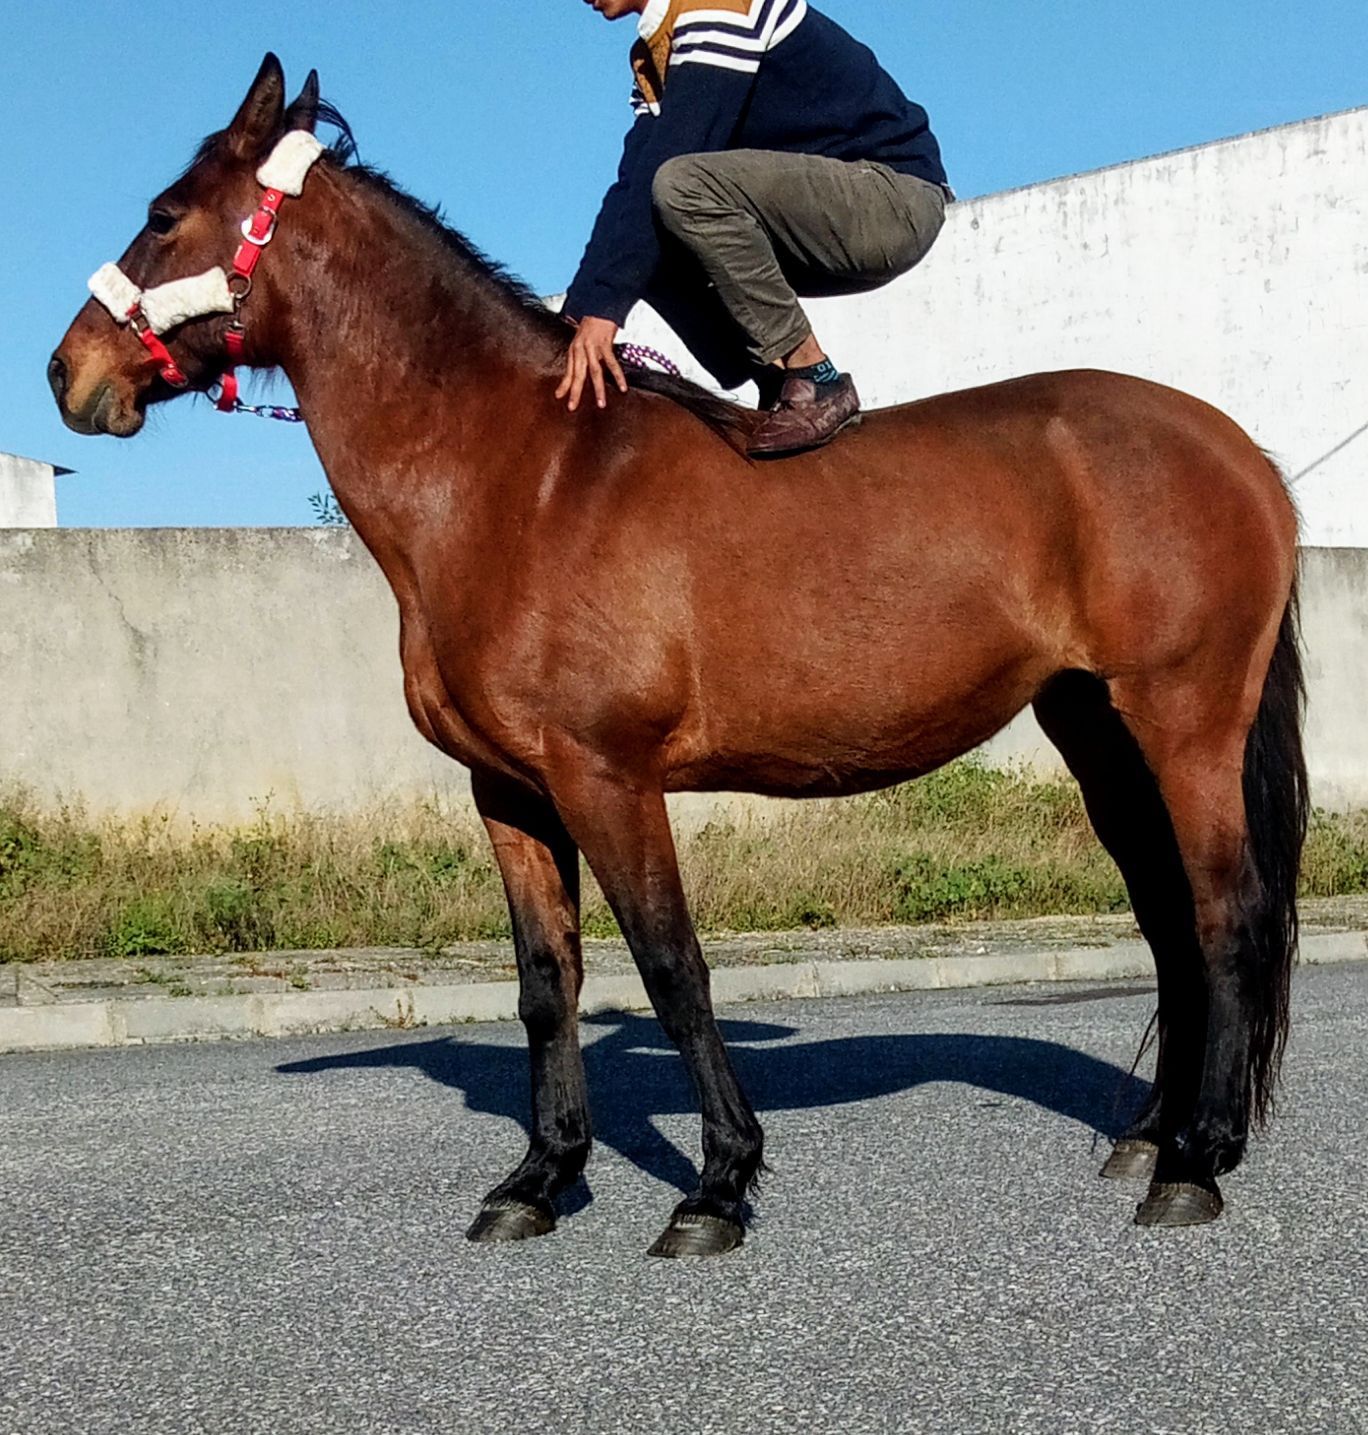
x: 634, y: 1076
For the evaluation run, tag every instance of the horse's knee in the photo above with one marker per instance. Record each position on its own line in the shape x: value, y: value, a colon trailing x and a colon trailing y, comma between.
x: 545, y: 996
x: 681, y: 995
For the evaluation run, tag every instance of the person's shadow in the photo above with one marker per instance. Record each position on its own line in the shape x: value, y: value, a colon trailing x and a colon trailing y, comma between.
x: 634, y: 1075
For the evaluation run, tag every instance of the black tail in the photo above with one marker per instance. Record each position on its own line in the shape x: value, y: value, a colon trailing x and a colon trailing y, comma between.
x: 1276, y: 811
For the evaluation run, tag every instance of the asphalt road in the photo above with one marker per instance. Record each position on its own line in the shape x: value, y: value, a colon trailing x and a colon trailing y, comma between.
x: 267, y: 1236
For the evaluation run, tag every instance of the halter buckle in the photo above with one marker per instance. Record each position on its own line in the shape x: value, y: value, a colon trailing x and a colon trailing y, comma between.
x: 247, y: 228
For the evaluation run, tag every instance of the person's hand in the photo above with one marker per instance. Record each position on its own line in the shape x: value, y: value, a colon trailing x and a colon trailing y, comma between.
x: 591, y: 352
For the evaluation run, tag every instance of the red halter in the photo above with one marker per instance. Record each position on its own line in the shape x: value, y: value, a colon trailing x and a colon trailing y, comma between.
x: 169, y: 369
x: 257, y: 233
x: 152, y: 312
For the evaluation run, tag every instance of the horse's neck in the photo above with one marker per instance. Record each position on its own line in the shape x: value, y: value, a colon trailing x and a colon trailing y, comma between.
x: 395, y: 355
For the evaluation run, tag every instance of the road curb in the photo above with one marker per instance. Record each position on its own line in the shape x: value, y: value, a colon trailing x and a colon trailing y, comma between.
x: 146, y: 1020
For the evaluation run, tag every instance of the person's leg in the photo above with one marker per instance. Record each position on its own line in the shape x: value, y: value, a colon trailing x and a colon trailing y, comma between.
x: 763, y: 225
x: 684, y: 299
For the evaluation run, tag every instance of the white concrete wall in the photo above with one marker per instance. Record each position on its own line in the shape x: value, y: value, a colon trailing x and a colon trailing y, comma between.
x: 1237, y: 271
x: 200, y: 672
x: 28, y: 493
x: 203, y: 671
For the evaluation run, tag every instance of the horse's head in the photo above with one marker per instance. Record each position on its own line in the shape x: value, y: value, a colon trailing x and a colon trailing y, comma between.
x: 102, y: 376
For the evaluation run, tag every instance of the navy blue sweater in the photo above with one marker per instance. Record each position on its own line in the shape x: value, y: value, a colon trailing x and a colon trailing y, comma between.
x: 739, y: 74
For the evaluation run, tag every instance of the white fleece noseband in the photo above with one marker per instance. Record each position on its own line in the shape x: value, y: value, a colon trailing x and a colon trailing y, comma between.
x: 115, y: 290
x: 166, y: 305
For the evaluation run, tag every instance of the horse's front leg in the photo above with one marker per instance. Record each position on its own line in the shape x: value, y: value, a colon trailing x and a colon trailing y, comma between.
x: 540, y: 868
x: 624, y: 832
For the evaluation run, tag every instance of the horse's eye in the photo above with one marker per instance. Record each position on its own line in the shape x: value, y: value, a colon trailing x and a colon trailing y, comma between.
x: 160, y: 222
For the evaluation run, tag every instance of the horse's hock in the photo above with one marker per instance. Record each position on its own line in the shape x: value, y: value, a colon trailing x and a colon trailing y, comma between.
x: 204, y: 671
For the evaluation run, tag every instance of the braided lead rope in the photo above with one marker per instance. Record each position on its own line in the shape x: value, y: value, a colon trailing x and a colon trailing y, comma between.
x: 635, y: 356
x: 639, y: 356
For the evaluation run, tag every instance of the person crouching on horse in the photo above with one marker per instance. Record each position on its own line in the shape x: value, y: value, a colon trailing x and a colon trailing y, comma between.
x: 771, y: 155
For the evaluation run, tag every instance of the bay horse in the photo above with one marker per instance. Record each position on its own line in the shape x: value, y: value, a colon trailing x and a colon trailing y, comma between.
x: 603, y: 607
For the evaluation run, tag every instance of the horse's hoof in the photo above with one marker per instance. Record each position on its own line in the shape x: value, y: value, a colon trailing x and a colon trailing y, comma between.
x: 1130, y: 1160
x: 692, y: 1234
x: 1179, y: 1204
x: 507, y: 1221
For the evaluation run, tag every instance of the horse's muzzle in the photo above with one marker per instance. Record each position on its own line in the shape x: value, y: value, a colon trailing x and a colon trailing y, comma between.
x: 102, y: 413
x: 57, y: 378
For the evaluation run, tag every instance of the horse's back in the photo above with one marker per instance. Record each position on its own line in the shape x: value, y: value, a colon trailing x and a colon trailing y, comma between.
x: 1047, y: 476
x: 1081, y: 473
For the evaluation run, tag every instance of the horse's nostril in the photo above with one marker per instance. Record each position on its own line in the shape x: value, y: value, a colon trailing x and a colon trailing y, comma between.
x: 57, y: 378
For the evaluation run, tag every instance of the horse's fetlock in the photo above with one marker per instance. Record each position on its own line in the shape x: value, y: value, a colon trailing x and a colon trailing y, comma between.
x: 1211, y: 1149
x: 570, y: 1154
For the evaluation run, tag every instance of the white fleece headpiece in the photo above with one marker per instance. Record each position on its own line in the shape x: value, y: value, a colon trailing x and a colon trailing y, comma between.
x: 166, y: 305
x: 289, y: 163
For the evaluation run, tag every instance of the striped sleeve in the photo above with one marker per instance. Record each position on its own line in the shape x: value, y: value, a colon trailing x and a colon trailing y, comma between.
x: 640, y: 104
x: 736, y: 38
x: 699, y: 113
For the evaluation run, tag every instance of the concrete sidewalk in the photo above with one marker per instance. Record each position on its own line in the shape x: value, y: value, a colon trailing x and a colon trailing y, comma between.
x: 94, y: 1003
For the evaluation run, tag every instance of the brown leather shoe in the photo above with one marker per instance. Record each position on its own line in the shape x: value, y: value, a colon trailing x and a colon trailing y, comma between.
x: 805, y: 417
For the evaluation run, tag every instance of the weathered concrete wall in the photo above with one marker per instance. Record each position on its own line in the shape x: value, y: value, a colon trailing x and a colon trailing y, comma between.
x: 1237, y: 271
x: 1335, y: 631
x: 201, y: 672
x: 28, y: 493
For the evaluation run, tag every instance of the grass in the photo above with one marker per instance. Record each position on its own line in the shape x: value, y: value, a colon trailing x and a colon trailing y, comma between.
x: 965, y: 844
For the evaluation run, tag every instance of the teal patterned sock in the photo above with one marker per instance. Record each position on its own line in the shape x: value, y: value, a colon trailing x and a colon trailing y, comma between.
x: 820, y: 374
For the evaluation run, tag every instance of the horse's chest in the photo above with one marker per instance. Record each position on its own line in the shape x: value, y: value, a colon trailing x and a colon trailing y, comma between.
x: 435, y: 703
x: 454, y: 705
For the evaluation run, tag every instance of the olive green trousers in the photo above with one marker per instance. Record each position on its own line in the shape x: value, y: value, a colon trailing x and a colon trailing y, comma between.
x: 763, y: 228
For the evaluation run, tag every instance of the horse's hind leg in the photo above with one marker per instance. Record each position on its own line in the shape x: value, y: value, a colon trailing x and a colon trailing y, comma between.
x: 1204, y: 1123
x: 1223, y: 1038
x: 624, y: 832
x: 540, y: 867
x: 1131, y: 821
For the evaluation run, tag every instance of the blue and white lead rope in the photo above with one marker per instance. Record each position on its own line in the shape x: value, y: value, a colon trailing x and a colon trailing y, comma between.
x: 269, y: 411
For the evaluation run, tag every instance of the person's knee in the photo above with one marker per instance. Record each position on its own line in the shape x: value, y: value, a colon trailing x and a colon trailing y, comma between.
x: 679, y: 190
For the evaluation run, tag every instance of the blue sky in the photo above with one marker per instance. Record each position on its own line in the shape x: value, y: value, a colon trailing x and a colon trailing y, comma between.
x: 511, y: 115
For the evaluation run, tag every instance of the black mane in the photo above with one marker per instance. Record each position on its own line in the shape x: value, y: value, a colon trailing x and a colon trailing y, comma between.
x: 727, y: 419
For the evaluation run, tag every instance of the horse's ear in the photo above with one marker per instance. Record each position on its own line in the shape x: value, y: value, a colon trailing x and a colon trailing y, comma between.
x: 303, y: 113
x: 260, y: 115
